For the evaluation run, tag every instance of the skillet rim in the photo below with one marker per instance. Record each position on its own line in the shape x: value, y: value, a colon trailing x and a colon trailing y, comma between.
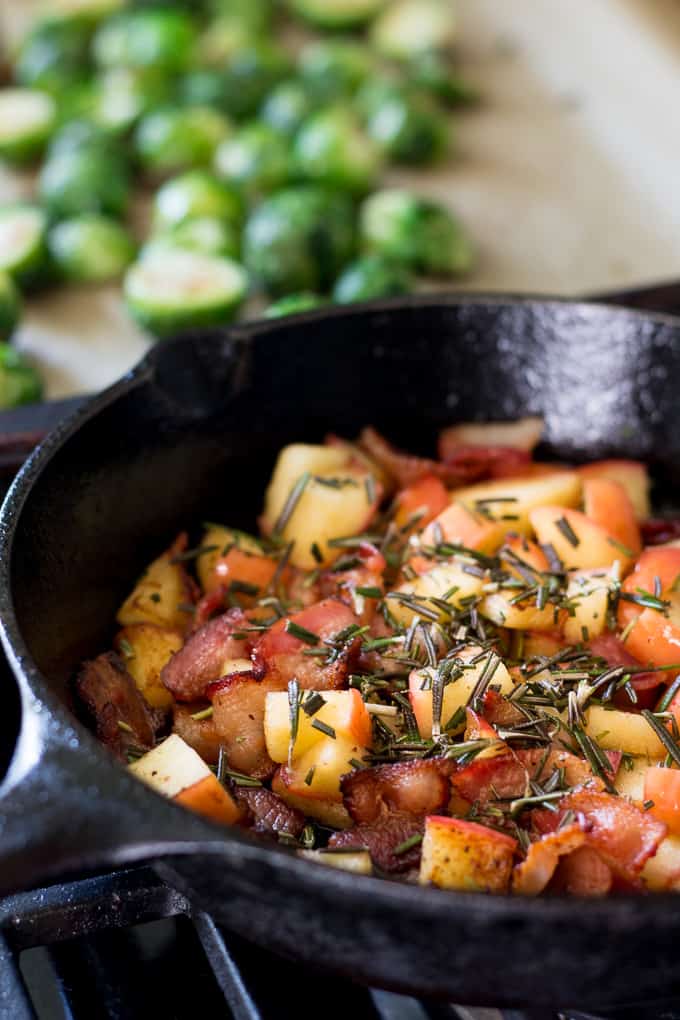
x: 624, y: 909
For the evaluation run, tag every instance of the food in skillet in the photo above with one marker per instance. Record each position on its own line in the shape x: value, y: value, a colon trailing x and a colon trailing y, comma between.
x: 464, y: 671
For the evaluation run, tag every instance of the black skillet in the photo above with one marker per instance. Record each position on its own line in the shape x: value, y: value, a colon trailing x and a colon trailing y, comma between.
x: 192, y: 434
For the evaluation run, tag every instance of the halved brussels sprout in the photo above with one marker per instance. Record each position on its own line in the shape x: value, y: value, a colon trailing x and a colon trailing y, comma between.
x: 293, y: 304
x: 205, y: 234
x: 10, y: 305
x: 174, y: 289
x: 174, y: 138
x: 299, y: 239
x: 19, y: 381
x: 27, y: 119
x: 55, y: 53
x: 196, y: 193
x: 408, y: 28
x: 336, y: 14
x: 406, y: 125
x: 91, y: 248
x: 286, y: 107
x: 161, y: 38
x: 371, y: 277
x: 333, y: 150
x: 255, y: 160
x: 89, y: 178
x: 415, y: 231
x: 334, y: 68
x: 23, y: 248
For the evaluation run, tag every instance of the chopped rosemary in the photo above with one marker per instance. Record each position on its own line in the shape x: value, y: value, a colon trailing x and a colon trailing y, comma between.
x: 664, y: 736
x: 313, y: 703
x: 205, y: 713
x: 193, y: 554
x: 293, y: 715
x: 126, y: 648
x: 291, y: 503
x: 563, y: 525
x: 408, y: 844
x: 310, y: 776
x: 301, y: 633
x: 316, y: 552
x: 323, y: 727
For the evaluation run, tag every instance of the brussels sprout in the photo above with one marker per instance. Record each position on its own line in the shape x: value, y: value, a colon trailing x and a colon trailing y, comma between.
x: 23, y: 249
x: 89, y: 178
x: 415, y: 231
x: 370, y: 277
x: 434, y: 72
x: 286, y: 107
x: 255, y: 15
x: 27, y: 119
x: 91, y: 248
x: 55, y: 53
x: 251, y: 73
x: 79, y: 134
x: 10, y: 306
x: 408, y: 28
x: 333, y: 69
x: 299, y: 239
x: 223, y: 37
x: 332, y: 149
x: 205, y: 234
x: 123, y: 94
x: 293, y: 304
x: 173, y: 289
x: 407, y: 126
x: 255, y: 160
x: 19, y: 381
x: 337, y: 13
x: 161, y: 38
x: 197, y: 193
x: 174, y: 139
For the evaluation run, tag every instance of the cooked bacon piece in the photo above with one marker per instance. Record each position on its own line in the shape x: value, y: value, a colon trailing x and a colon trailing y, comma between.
x: 406, y: 468
x: 622, y: 834
x: 382, y: 838
x: 507, y: 776
x: 582, y: 873
x: 110, y: 697
x: 487, y: 461
x: 608, y: 647
x: 369, y: 574
x: 202, y: 658
x: 279, y: 655
x: 500, y: 712
x: 201, y: 734
x: 532, y: 875
x: 658, y: 530
x: 413, y: 788
x: 238, y: 714
x: 210, y: 605
x: 267, y: 813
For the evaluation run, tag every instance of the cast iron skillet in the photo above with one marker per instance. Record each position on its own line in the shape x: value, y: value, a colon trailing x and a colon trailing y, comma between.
x: 192, y: 434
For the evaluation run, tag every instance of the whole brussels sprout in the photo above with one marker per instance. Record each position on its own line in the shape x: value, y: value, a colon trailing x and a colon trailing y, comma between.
x: 255, y: 15
x: 255, y: 160
x: 194, y: 194
x: 91, y: 248
x: 293, y: 304
x: 331, y: 69
x: 161, y: 38
x: 240, y: 88
x: 176, y: 138
x: 435, y: 73
x: 407, y: 126
x: 415, y: 231
x: 337, y: 14
x: 10, y: 306
x: 408, y: 28
x: 19, y: 381
x: 371, y: 277
x: 299, y: 239
x: 27, y: 119
x: 83, y: 180
x: 286, y: 107
x: 333, y: 150
x: 55, y: 53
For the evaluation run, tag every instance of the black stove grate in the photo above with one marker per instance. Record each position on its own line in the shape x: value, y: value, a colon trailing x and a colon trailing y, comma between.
x: 125, y: 946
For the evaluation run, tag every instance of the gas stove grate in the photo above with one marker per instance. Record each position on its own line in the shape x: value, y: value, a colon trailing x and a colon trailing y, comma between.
x: 125, y: 946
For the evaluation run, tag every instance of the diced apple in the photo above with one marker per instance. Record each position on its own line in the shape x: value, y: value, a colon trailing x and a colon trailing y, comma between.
x: 662, y: 788
x: 328, y: 812
x: 518, y: 547
x: 630, y: 778
x: 160, y: 593
x: 461, y: 525
x: 655, y: 636
x: 358, y: 862
x: 456, y: 694
x: 516, y: 498
x: 237, y: 554
x: 317, y: 773
x: 631, y: 474
x: 615, y: 730
x: 447, y: 579
x: 176, y: 771
x: 578, y: 541
x: 539, y: 643
x: 606, y: 502
x: 146, y: 648
x: 343, y: 711
x: 294, y: 461
x: 523, y: 434
x: 421, y: 502
x: 499, y: 608
x: 462, y: 855
x: 588, y: 593
x: 662, y: 871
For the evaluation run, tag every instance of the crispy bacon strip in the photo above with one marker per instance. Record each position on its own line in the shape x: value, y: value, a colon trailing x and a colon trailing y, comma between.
x: 202, y: 658
x: 238, y: 714
x: 658, y: 530
x: 533, y: 874
x: 406, y: 468
x: 110, y: 697
x: 486, y: 461
x: 267, y: 814
x: 415, y: 788
x: 507, y: 775
x: 369, y: 574
x: 382, y: 838
x: 201, y: 734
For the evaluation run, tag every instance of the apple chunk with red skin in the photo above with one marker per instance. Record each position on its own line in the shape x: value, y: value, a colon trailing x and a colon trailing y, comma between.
x: 466, y: 856
x: 579, y: 542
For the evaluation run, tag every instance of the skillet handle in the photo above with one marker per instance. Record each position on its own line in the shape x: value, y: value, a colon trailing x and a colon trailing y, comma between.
x: 659, y: 297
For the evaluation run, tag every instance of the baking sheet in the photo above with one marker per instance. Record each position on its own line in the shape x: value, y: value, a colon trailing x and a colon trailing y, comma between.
x: 566, y: 175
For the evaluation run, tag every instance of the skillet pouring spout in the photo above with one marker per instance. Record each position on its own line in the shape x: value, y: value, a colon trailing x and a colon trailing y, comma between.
x: 192, y: 436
